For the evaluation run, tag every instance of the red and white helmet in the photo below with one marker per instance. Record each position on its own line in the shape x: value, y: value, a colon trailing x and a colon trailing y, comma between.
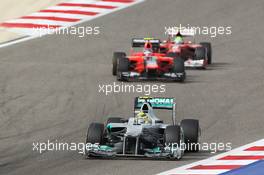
x: 147, y: 48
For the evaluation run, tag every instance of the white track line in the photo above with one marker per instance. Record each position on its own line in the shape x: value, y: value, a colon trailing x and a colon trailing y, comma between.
x: 87, y: 9
x: 83, y: 18
x: 214, y: 161
x: 40, y: 21
x: 48, y: 14
x: 231, y: 162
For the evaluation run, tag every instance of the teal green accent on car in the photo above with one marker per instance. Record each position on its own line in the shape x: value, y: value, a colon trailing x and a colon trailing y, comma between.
x: 109, y: 127
x: 156, y: 102
x: 156, y: 150
x: 105, y: 148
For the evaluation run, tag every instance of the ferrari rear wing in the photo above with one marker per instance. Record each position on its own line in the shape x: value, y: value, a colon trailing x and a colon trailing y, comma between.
x: 183, y: 32
x: 140, y: 42
x: 158, y: 103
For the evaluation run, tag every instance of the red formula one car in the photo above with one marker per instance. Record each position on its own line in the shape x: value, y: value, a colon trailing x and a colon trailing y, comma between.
x: 194, y: 55
x: 148, y: 63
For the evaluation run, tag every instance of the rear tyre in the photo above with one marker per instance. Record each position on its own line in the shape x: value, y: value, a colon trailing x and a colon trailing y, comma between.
x: 200, y: 53
x: 208, y: 48
x: 191, y: 134
x: 178, y: 67
x: 122, y: 66
x: 94, y: 135
x: 114, y: 61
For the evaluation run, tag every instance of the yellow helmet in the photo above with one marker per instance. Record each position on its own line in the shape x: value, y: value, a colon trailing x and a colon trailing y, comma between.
x: 143, y: 118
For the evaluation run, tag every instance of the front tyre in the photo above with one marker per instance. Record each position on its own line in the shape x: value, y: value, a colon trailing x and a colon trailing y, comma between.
x: 116, y: 55
x: 172, y: 139
x: 122, y: 66
x: 191, y: 134
x: 178, y: 68
x: 94, y: 135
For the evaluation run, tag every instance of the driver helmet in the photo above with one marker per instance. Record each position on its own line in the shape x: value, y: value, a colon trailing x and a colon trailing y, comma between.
x: 147, y: 49
x: 142, y: 118
x: 178, y: 39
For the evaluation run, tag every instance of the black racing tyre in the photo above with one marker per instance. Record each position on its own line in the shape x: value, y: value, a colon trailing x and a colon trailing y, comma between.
x: 114, y: 120
x: 191, y: 134
x: 116, y: 55
x: 95, y: 133
x: 178, y: 65
x: 122, y: 66
x: 200, y: 53
x: 208, y: 48
x: 172, y: 135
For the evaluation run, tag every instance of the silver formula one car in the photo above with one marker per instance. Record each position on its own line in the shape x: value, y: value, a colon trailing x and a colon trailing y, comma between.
x: 144, y: 134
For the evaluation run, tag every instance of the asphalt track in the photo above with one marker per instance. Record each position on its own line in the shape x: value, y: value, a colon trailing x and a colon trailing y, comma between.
x: 49, y: 86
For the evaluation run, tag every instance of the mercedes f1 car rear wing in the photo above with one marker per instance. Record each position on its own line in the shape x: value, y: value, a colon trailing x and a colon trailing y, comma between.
x: 157, y: 103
